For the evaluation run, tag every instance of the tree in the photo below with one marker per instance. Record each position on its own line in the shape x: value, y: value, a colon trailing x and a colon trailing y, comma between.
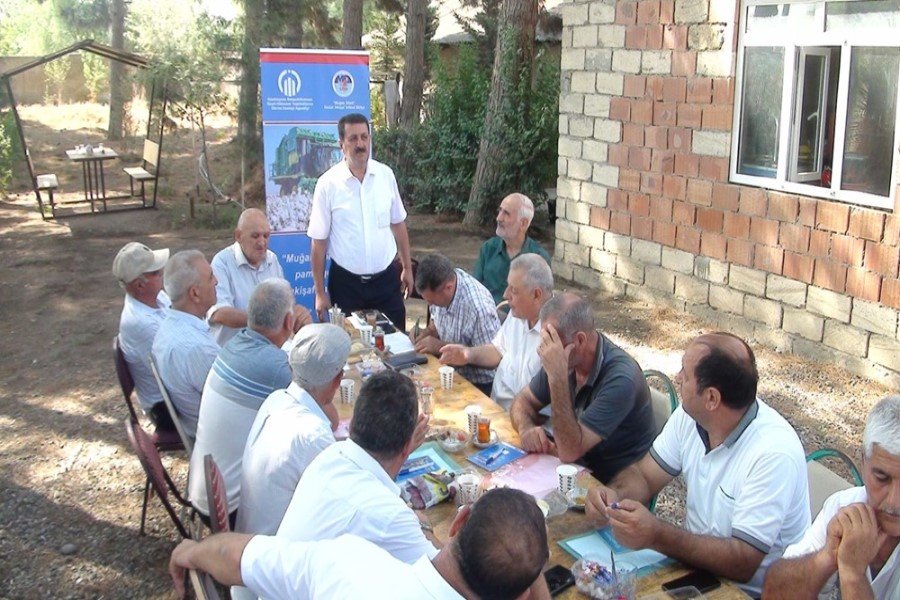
x: 248, y: 100
x: 512, y: 60
x: 414, y: 71
x: 118, y: 94
x: 353, y: 20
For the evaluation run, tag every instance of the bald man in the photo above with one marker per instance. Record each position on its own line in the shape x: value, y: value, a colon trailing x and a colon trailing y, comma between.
x: 239, y: 268
x: 513, y: 219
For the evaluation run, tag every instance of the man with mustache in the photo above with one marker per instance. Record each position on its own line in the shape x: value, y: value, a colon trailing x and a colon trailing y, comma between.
x: 358, y: 220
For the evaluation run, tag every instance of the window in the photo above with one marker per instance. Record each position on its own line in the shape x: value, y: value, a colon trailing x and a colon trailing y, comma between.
x: 816, y: 109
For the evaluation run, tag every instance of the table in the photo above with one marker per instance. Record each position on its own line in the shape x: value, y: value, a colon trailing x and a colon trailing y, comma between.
x: 92, y: 172
x: 449, y: 406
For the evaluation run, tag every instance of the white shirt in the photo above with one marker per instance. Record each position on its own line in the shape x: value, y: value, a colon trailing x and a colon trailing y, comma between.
x: 344, y: 490
x: 137, y: 328
x: 753, y: 487
x: 517, y: 344
x: 237, y: 279
x: 356, y: 217
x: 886, y: 586
x: 346, y: 567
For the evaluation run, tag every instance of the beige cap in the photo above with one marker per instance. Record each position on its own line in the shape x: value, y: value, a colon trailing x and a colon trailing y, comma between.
x: 319, y: 353
x: 135, y: 259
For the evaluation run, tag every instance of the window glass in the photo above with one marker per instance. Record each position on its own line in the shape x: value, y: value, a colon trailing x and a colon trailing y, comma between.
x: 761, y: 111
x: 769, y: 18
x: 812, y: 97
x: 862, y: 15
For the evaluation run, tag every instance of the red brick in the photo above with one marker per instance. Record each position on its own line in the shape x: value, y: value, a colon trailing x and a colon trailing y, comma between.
x: 674, y: 89
x: 847, y: 249
x: 882, y: 258
x: 653, y: 38
x: 600, y: 217
x: 764, y: 231
x: 798, y: 266
x: 661, y: 207
x: 717, y: 116
x: 633, y: 134
x: 619, y: 108
x: 723, y: 90
x: 769, y: 258
x: 684, y: 63
x: 819, y: 243
x: 753, y: 201
x: 714, y: 168
x: 642, y: 228
x: 808, y: 211
x: 830, y: 275
x: 634, y: 86
x: 639, y: 158
x: 725, y: 196
x: 863, y: 284
x: 794, y: 237
x: 737, y: 226
x: 656, y: 137
x: 680, y: 139
x: 664, y: 114
x: 689, y: 115
x: 617, y: 200
x: 664, y: 233
x: 666, y: 11
x: 629, y: 179
x: 618, y: 155
x: 867, y: 224
x: 620, y: 223
x: 710, y: 220
x: 663, y: 161
x: 687, y: 165
x: 648, y: 12
x: 783, y: 207
x: 674, y: 187
x: 892, y: 230
x: 699, y: 89
x: 740, y: 252
x: 674, y: 37
x: 626, y: 12
x: 699, y: 192
x: 642, y: 111
x: 651, y: 183
x: 890, y: 293
x: 654, y: 89
x: 687, y: 239
x: 833, y: 216
x: 635, y: 37
x: 639, y: 205
x: 713, y: 245
x: 682, y: 213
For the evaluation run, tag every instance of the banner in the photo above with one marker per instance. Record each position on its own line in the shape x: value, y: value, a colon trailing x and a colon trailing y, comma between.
x: 304, y: 93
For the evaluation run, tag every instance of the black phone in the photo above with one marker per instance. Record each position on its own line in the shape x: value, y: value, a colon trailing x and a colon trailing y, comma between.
x: 704, y: 581
x: 558, y: 579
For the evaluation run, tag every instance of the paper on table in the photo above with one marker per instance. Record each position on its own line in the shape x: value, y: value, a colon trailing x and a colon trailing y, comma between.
x: 431, y: 454
x: 595, y: 543
x: 534, y: 474
x: 398, y: 342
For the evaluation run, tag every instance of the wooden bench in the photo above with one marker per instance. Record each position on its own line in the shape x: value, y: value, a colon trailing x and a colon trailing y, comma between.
x: 148, y: 169
x: 47, y: 182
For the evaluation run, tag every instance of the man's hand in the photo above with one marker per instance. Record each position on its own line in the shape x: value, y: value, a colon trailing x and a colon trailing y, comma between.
x: 179, y: 564
x: 429, y: 344
x: 301, y: 317
x: 633, y: 524
x: 323, y: 303
x: 535, y: 440
x: 596, y: 505
x: 406, y: 282
x: 833, y: 535
x: 554, y: 356
x: 860, y: 538
x: 418, y: 436
x: 454, y: 354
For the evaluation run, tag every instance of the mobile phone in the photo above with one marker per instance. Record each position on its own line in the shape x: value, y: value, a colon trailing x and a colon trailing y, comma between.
x: 558, y: 579
x: 704, y: 581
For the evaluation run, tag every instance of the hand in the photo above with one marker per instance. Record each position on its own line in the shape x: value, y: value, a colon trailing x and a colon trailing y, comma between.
x: 179, y: 563
x: 418, y: 436
x: 406, y: 282
x: 322, y: 306
x: 833, y: 535
x: 597, y: 502
x: 454, y: 354
x: 554, y: 356
x: 536, y: 440
x: 859, y: 529
x: 633, y: 524
x: 429, y: 345
x: 301, y: 317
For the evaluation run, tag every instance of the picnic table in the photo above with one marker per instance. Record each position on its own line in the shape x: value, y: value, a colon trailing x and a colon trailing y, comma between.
x: 92, y: 171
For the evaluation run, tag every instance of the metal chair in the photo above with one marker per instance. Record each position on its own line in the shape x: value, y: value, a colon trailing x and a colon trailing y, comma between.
x: 823, y: 482
x: 664, y: 404
x: 216, y: 496
x: 203, y: 584
x: 185, y: 438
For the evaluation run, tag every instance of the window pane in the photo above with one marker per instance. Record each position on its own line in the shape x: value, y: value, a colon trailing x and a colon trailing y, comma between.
x: 862, y: 15
x: 770, y: 18
x: 760, y: 111
x: 813, y: 93
x: 871, y: 114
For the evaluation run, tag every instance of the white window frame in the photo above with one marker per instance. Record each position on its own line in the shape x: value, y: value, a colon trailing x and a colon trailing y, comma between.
x: 793, y: 43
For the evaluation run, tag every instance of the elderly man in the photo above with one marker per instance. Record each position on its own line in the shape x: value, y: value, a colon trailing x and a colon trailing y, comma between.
x: 462, y: 312
x: 599, y: 399
x: 853, y: 544
x: 742, y: 463
x: 513, y: 219
x: 249, y: 367
x: 184, y: 349
x: 482, y: 560
x: 358, y: 219
x: 139, y: 271
x: 239, y: 268
x: 513, y: 351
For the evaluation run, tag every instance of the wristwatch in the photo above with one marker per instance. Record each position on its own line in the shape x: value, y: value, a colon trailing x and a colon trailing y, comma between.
x: 426, y: 526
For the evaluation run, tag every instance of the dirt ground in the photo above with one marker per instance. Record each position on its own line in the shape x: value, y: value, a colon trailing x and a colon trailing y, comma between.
x: 67, y: 473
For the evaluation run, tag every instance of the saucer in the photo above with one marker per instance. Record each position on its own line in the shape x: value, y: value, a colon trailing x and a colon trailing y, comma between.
x: 494, y: 439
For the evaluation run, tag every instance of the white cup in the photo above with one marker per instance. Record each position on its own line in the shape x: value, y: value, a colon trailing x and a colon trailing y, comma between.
x: 347, y: 386
x: 446, y: 376
x: 427, y: 399
x: 365, y: 334
x: 566, y: 475
x: 473, y: 411
x: 468, y: 488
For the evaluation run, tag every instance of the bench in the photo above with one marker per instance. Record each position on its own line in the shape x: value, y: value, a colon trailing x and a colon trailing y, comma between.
x: 47, y: 182
x: 148, y: 169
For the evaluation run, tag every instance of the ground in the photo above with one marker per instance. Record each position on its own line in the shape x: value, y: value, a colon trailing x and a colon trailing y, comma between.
x: 67, y: 473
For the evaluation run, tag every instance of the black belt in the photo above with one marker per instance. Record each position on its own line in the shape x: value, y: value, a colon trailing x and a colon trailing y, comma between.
x: 361, y: 278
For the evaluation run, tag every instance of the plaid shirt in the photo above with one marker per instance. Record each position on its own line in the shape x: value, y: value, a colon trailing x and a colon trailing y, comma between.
x: 470, y: 320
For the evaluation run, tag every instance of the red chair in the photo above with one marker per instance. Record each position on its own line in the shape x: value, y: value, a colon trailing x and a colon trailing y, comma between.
x: 216, y: 496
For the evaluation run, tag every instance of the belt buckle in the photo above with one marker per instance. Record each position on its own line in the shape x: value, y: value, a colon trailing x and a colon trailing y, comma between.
x: 365, y: 278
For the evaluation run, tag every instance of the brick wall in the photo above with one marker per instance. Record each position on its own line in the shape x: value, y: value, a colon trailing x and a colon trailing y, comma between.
x: 645, y: 208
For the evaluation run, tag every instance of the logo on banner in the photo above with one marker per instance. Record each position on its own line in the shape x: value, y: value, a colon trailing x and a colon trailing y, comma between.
x: 289, y: 82
x: 342, y: 83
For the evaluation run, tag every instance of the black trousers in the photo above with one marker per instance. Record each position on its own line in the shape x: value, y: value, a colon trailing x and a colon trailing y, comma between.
x: 380, y: 291
x: 159, y: 414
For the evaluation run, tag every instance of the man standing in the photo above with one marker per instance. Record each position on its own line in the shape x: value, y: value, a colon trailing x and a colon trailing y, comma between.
x: 139, y: 271
x: 358, y: 219
x: 742, y: 463
x: 249, y: 367
x: 853, y: 544
x: 462, y: 312
x: 513, y: 219
x: 184, y: 349
x: 513, y: 351
x: 600, y: 402
x: 239, y: 268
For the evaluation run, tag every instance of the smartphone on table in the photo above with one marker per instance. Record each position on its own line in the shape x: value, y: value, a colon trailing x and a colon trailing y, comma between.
x: 704, y: 581
x: 558, y: 579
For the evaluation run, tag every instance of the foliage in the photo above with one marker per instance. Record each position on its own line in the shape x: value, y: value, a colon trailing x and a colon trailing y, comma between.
x: 96, y: 75
x: 9, y: 148
x: 482, y: 27
x: 55, y: 72
x: 386, y: 46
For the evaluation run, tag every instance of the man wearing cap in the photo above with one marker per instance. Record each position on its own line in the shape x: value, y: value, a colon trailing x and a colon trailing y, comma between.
x: 140, y: 273
x: 239, y: 268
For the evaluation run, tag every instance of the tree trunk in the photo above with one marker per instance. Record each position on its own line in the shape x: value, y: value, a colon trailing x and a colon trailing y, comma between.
x: 118, y: 95
x: 414, y: 70
x: 248, y: 106
x: 293, y: 32
x: 514, y: 55
x: 353, y: 18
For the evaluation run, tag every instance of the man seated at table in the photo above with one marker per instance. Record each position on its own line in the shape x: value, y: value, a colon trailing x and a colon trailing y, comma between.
x: 853, y: 544
x: 512, y: 240
x: 349, y: 487
x: 249, y: 367
x: 184, y: 349
x: 497, y: 550
x: 239, y: 268
x: 139, y: 271
x: 513, y: 351
x: 462, y: 312
x: 742, y: 463
x: 599, y: 399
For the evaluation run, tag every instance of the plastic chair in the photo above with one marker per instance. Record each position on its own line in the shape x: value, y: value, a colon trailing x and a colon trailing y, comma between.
x: 185, y: 438
x: 216, y: 496
x: 664, y: 404
x: 823, y: 482
x: 158, y: 477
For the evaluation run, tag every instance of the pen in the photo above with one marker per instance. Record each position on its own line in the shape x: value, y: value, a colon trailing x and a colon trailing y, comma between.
x: 494, y: 456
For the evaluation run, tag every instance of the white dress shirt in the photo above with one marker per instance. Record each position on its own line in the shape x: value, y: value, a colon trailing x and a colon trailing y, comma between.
x: 356, y: 217
x: 137, y: 329
x: 517, y: 344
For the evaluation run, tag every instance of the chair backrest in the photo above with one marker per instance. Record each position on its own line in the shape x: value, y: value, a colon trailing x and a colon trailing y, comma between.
x: 126, y: 381
x: 823, y: 482
x: 216, y: 496
x: 30, y: 165
x: 203, y: 584
x: 185, y: 438
x: 156, y: 473
x: 151, y: 153
x: 664, y: 401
